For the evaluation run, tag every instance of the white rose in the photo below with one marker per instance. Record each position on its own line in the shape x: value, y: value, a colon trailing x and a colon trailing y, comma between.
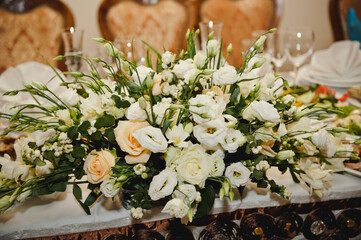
x: 64, y: 115
x: 225, y: 75
x: 325, y: 142
x: 200, y: 60
x: 231, y: 140
x: 186, y: 192
x: 193, y: 166
x: 151, y: 138
x: 140, y: 74
x: 162, y: 184
x: 238, y: 174
x: 40, y: 137
x: 177, y: 135
x: 210, y: 133
x: 108, y: 187
x: 212, y: 48
x: 134, y: 112
x: 182, y: 67
x: 43, y: 170
x: 261, y: 110
x: 70, y: 97
x: 176, y: 207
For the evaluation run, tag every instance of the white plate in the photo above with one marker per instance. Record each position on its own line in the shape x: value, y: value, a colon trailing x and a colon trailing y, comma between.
x: 353, y: 172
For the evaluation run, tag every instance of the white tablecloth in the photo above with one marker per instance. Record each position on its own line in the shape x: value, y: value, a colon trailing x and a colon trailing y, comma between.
x: 36, y: 218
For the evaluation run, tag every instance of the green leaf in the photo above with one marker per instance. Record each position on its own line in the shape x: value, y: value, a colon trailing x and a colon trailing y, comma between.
x: 77, y: 192
x: 73, y: 132
x: 84, y: 206
x: 105, y: 121
x: 78, y: 151
x: 257, y: 174
x: 70, y: 157
x: 155, y: 51
x: 234, y: 95
x: 109, y: 134
x: 207, y: 202
x: 92, y: 197
x: 41, y: 191
x: 294, y: 177
x: 38, y: 162
x: 166, y: 125
x: 96, y: 136
x: 133, y: 87
x: 262, y: 184
x: 148, y: 60
x: 120, y: 103
x: 83, y: 128
x: 59, y: 187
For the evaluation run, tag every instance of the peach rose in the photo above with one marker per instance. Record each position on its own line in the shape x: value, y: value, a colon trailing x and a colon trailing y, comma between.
x: 127, y: 143
x: 98, y: 165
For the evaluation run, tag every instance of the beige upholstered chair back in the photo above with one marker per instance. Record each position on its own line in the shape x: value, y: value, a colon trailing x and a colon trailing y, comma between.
x: 160, y: 23
x: 30, y: 25
x: 338, y: 11
x: 240, y: 18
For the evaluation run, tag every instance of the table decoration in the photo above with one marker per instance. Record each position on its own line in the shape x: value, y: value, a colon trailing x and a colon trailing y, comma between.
x: 178, y: 136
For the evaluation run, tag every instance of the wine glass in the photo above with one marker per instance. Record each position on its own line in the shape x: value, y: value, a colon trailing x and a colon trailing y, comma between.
x: 73, y: 45
x: 132, y: 47
x: 299, y: 43
x: 208, y: 27
x: 275, y: 46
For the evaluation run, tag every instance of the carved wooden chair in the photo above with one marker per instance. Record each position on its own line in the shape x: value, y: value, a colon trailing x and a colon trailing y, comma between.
x: 240, y: 18
x: 27, y: 25
x: 161, y: 23
x: 338, y: 10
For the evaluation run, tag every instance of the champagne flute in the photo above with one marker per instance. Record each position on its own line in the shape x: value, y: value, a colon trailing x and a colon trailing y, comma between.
x: 299, y: 46
x: 275, y: 46
x: 73, y: 45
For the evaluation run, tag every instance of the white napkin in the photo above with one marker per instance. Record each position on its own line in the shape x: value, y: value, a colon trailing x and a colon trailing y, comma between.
x: 14, y: 78
x: 337, y: 66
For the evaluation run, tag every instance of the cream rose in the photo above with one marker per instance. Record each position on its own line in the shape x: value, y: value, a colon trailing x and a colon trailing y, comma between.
x: 225, y: 75
x: 151, y: 138
x: 261, y: 110
x: 238, y: 174
x: 127, y: 142
x: 162, y: 184
x: 98, y: 165
x: 193, y: 166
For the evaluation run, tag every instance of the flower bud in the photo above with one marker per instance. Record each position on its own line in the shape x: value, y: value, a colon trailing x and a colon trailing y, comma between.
x: 58, y: 58
x: 99, y: 40
x: 200, y: 60
x: 210, y: 35
x: 188, y: 128
x: 112, y: 51
x: 208, y: 71
x: 229, y: 48
x: 176, y: 106
x: 63, y: 128
x: 142, y: 103
x: 357, y: 142
x: 212, y: 48
x: 73, y: 115
x: 231, y: 195
x: 318, y: 192
x: 181, y: 54
x: 286, y: 154
x: 204, y: 115
x: 147, y: 98
x: 94, y: 74
x: 225, y: 186
x: 190, y: 215
x: 259, y: 43
x: 272, y: 30
x: 28, y: 86
x: 188, y: 33
x: 197, y: 31
x: 339, y: 129
x: 149, y: 81
x: 259, y: 63
x: 39, y: 85
x: 96, y: 60
x: 144, y: 175
x: 268, y: 124
x: 121, y: 54
x: 51, y: 107
x: 75, y: 74
x: 5, y: 203
x: 221, y: 194
x: 122, y: 178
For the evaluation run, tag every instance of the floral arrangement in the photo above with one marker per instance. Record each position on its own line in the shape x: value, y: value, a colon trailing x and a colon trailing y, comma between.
x: 193, y: 129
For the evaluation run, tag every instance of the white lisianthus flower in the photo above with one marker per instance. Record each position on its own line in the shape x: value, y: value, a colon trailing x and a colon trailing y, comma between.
x: 307, y: 147
x: 217, y: 164
x: 177, y: 135
x: 210, y: 133
x: 135, y: 113
x: 288, y: 99
x: 109, y: 188
x: 212, y: 48
x: 140, y: 74
x: 238, y: 174
x: 231, y: 140
x: 263, y: 111
x: 167, y: 59
x: 21, y: 147
x: 262, y: 166
x: 176, y: 207
x: 225, y: 75
x: 70, y: 97
x: 64, y: 115
x: 163, y: 184
x: 207, y: 107
x: 186, y: 192
x: 193, y: 166
x: 200, y: 60
x: 265, y: 134
x: 160, y: 109
x: 14, y: 169
x: 182, y: 67
x: 325, y: 142
x: 151, y: 138
x: 191, y: 75
x: 43, y: 170
x: 137, y: 213
x: 171, y: 156
x: 40, y: 137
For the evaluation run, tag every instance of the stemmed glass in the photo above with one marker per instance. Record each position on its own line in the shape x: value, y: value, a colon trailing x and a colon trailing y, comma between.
x: 299, y: 46
x: 73, y: 45
x: 132, y: 47
x: 275, y: 46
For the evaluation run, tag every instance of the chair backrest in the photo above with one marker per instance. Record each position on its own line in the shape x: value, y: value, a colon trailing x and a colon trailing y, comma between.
x: 160, y: 23
x: 240, y: 18
x: 30, y: 25
x: 338, y: 11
